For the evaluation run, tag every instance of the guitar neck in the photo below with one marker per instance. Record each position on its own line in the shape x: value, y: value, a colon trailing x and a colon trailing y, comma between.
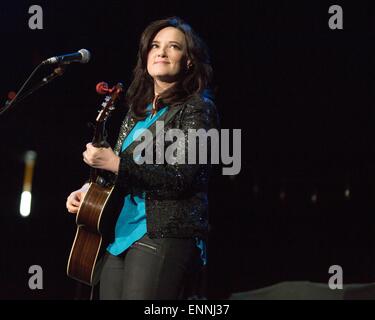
x: 100, y: 134
x: 98, y: 141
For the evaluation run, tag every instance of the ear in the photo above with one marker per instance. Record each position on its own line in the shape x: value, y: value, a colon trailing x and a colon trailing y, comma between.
x: 189, y: 63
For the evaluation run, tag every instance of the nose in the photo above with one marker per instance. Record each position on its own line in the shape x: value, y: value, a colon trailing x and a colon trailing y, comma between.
x: 161, y: 52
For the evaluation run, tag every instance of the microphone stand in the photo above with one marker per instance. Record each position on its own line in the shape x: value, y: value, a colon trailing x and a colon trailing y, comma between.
x: 59, y: 71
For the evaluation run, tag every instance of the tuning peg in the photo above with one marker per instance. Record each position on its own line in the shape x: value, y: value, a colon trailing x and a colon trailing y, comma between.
x: 102, y: 87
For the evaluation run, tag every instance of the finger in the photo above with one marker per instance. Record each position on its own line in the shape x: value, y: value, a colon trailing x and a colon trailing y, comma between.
x: 75, y: 203
x: 91, y: 148
x: 72, y: 209
x: 72, y: 202
x: 90, y: 163
x: 69, y: 206
x: 85, y: 158
x: 80, y: 196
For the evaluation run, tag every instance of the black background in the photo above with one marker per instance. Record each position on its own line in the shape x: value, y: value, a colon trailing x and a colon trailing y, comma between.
x: 300, y: 92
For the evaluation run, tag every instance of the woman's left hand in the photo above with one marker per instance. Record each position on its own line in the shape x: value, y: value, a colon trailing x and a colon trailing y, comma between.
x: 101, y: 158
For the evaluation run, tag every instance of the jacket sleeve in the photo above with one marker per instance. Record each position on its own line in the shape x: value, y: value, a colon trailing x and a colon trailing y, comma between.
x: 170, y: 178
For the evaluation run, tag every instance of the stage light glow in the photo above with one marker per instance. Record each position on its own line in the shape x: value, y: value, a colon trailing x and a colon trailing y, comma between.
x: 25, y: 205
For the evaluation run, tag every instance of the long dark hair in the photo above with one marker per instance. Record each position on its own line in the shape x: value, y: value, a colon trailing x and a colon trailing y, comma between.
x: 193, y: 80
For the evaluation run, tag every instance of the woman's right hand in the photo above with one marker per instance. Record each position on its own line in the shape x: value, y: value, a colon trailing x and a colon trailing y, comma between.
x: 74, y: 200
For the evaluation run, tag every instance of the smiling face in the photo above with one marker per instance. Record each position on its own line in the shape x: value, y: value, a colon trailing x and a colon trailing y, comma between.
x: 167, y: 57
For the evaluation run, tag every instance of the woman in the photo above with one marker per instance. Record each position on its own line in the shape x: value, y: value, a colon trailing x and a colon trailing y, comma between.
x: 161, y: 231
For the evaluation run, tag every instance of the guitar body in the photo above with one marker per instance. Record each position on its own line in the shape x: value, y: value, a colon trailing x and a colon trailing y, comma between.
x: 96, y: 220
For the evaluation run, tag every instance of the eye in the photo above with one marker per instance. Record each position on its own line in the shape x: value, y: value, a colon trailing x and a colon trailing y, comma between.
x: 153, y: 45
x: 175, y: 46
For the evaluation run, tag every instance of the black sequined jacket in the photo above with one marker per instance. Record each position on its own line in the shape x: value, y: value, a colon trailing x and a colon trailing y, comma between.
x: 176, y: 194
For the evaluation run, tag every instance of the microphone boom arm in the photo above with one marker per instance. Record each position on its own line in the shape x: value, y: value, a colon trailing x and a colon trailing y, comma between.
x: 59, y: 71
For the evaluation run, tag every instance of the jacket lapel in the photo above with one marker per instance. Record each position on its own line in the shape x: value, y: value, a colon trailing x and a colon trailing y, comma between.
x: 126, y: 126
x: 166, y: 118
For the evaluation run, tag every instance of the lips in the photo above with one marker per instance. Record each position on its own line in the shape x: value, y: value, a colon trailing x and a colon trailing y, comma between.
x: 161, y: 61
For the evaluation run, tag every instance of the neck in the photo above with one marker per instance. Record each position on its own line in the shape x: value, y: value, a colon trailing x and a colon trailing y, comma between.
x: 160, y: 86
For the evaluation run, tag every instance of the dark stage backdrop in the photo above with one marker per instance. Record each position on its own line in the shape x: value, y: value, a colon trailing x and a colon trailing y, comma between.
x: 300, y: 92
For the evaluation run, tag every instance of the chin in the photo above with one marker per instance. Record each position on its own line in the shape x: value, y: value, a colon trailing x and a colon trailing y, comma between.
x: 165, y: 77
x: 162, y: 71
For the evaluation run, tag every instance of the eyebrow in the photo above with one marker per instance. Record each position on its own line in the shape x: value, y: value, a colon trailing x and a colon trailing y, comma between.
x: 156, y: 41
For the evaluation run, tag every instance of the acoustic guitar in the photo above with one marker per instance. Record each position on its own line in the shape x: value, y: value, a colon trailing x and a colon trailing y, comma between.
x: 98, y: 211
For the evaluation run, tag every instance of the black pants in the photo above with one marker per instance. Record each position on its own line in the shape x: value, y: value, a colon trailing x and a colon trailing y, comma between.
x: 151, y: 269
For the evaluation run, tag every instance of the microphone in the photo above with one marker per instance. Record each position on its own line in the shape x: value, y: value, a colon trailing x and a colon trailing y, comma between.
x: 82, y: 56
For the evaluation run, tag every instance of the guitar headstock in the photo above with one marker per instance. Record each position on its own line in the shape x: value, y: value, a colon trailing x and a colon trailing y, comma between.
x: 112, y: 96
